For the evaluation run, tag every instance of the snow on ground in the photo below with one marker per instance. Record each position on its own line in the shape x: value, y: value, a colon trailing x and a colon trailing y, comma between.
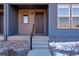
x: 64, y: 48
x: 59, y: 54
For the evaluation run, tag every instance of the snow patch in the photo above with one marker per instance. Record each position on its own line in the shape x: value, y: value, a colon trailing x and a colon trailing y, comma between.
x: 64, y: 45
x: 71, y: 47
x: 59, y: 54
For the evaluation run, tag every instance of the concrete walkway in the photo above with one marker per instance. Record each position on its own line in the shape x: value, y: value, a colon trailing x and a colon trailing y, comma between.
x: 40, y: 46
x: 39, y: 52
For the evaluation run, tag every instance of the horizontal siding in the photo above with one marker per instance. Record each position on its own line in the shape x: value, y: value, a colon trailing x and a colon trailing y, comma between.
x: 13, y: 21
x: 53, y: 31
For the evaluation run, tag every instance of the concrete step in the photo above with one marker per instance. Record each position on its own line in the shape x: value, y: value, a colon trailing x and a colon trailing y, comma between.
x: 40, y: 43
x: 39, y: 52
x: 39, y: 46
x: 34, y: 48
x: 41, y: 37
x: 40, y: 40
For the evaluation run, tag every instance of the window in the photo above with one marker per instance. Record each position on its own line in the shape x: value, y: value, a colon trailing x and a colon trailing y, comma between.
x: 68, y: 16
x: 64, y: 22
x: 25, y: 19
x: 63, y: 10
x: 75, y: 16
x: 63, y: 16
x: 75, y: 23
x: 75, y: 9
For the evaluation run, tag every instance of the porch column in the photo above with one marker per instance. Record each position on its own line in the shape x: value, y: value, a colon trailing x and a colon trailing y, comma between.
x: 5, y: 21
x: 52, y: 19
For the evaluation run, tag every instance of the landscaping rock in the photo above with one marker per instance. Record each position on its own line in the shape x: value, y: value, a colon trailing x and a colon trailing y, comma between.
x: 14, y: 48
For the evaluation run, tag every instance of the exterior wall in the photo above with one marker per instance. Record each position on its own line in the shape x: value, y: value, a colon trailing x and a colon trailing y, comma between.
x: 53, y: 31
x: 1, y: 23
x: 13, y: 21
x: 27, y: 28
x: 10, y: 18
x: 1, y: 19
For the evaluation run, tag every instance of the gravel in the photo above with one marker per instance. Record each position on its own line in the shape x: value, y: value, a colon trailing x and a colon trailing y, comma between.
x: 14, y: 48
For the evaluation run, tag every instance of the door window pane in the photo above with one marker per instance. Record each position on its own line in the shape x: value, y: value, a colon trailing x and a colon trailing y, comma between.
x: 63, y: 22
x: 25, y: 19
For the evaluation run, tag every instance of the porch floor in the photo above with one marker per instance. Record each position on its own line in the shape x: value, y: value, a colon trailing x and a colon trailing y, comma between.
x: 16, y: 37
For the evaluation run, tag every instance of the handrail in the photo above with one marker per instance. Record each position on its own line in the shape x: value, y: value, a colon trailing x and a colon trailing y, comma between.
x: 31, y: 35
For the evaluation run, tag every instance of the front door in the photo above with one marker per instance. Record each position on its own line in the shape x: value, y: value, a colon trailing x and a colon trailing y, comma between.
x: 39, y: 27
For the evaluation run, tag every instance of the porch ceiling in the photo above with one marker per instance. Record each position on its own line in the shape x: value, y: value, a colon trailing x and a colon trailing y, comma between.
x: 30, y: 6
x: 1, y: 6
